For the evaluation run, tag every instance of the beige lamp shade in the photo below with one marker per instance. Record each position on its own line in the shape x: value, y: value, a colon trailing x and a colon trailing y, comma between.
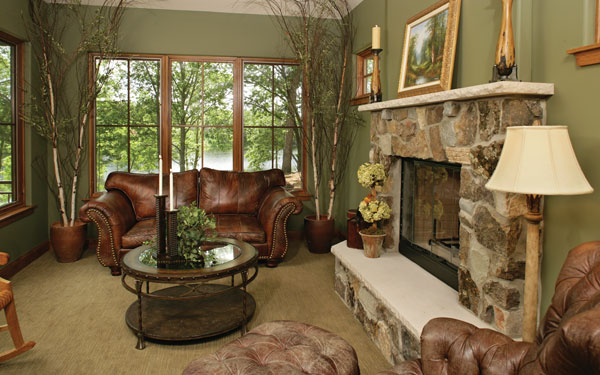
x: 538, y: 160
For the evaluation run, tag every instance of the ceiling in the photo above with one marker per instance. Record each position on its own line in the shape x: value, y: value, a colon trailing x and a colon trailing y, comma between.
x: 221, y: 6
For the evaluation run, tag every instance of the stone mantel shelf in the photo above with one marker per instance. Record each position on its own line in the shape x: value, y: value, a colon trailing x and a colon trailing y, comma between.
x: 487, y: 90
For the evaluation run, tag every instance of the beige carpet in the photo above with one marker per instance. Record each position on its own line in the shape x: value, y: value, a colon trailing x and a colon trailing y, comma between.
x: 75, y: 312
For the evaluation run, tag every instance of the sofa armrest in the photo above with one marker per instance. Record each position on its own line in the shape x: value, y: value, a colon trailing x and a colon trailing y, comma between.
x: 113, y: 215
x: 450, y: 346
x: 276, y: 206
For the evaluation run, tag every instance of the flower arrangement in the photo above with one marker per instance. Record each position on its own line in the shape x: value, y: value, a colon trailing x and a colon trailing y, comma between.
x: 374, y: 211
x: 194, y: 226
x: 371, y: 210
x: 371, y: 175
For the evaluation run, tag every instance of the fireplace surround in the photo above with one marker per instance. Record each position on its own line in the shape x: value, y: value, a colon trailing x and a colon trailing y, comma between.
x: 465, y: 128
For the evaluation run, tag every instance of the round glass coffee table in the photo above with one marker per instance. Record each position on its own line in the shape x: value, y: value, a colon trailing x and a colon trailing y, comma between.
x: 200, y: 305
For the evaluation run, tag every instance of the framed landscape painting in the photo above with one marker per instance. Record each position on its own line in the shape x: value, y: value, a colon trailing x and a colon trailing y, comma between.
x: 429, y: 46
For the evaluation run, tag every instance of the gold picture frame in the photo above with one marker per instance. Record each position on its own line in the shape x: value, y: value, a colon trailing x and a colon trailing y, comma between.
x: 427, y: 65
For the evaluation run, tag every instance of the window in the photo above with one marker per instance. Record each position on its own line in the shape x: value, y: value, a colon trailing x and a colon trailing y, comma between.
x: 127, y: 117
x: 12, y: 187
x: 221, y: 113
x: 364, y: 74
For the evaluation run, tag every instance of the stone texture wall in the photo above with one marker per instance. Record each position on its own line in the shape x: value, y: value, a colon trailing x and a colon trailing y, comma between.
x: 492, y: 228
x: 396, y: 341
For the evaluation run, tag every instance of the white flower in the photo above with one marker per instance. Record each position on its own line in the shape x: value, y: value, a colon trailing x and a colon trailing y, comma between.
x: 374, y: 211
x: 371, y: 174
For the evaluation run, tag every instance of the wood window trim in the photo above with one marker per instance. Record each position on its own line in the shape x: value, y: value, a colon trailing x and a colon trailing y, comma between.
x: 589, y: 55
x: 18, y: 209
x: 361, y: 96
x: 165, y: 111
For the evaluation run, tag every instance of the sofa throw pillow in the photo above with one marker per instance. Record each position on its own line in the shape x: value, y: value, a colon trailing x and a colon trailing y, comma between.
x: 227, y: 192
x: 140, y: 189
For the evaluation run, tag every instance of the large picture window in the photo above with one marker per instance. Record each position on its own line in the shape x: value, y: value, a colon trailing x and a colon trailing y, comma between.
x: 222, y: 113
x: 127, y: 117
x: 12, y: 192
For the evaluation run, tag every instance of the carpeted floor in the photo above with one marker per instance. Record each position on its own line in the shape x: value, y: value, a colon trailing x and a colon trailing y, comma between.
x: 75, y: 313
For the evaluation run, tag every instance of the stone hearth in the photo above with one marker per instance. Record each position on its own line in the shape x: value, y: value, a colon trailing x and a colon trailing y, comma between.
x: 467, y: 126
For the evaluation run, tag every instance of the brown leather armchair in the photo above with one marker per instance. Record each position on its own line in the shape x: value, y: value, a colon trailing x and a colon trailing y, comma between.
x: 249, y: 206
x: 568, y: 339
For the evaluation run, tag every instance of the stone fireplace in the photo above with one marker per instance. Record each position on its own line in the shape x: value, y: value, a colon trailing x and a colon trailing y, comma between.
x: 485, y: 243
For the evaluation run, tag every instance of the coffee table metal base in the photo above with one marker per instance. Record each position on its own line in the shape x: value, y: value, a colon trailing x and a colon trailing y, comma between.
x: 183, y: 320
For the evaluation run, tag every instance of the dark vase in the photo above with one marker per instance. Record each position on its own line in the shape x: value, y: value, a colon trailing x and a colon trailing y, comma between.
x: 319, y: 233
x: 68, y: 242
x: 353, y: 240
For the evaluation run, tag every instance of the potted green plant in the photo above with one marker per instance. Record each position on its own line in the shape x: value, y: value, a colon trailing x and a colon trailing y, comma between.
x: 60, y: 110
x: 194, y: 227
x: 320, y: 34
x: 373, y: 211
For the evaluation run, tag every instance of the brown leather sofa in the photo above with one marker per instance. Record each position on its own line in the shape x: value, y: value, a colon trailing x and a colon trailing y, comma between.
x: 568, y: 338
x: 249, y: 206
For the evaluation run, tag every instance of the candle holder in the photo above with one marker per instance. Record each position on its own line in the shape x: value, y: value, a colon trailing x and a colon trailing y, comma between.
x: 375, y: 95
x: 505, y: 68
x: 172, y: 255
x: 161, y: 240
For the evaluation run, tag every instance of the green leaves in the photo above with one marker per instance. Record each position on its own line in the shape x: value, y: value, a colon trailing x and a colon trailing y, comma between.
x: 194, y: 225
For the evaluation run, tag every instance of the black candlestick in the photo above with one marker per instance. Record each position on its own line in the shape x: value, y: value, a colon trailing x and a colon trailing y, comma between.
x: 161, y: 239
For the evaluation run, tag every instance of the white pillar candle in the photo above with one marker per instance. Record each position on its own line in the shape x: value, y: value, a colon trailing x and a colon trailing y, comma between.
x: 171, y: 190
x: 160, y: 175
x: 376, y: 37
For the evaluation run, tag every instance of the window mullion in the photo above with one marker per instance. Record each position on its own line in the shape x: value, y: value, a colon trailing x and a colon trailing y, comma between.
x: 166, y: 119
x: 238, y: 105
x: 128, y: 115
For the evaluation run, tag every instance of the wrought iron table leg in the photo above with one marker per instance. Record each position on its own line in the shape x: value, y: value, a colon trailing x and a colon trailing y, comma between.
x: 244, y: 320
x: 140, y: 334
x: 147, y: 287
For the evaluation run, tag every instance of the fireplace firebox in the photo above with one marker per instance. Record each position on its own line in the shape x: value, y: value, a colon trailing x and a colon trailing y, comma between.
x: 429, y: 226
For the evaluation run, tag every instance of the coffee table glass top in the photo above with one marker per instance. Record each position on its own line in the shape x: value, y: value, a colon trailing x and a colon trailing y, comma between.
x: 214, y: 253
x: 224, y: 256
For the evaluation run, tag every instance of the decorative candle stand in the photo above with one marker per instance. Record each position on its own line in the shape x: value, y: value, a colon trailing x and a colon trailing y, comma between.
x: 505, y: 68
x: 161, y: 240
x: 375, y: 95
x: 172, y: 255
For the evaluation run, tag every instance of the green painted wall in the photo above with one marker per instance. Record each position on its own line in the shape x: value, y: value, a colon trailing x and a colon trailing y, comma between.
x: 543, y: 31
x: 569, y: 220
x: 22, y: 235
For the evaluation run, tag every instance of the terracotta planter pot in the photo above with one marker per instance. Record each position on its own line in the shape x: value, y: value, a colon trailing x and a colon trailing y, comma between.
x: 319, y: 233
x: 372, y: 244
x: 68, y: 242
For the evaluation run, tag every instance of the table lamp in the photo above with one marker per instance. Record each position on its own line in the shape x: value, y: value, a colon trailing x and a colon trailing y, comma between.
x: 536, y: 161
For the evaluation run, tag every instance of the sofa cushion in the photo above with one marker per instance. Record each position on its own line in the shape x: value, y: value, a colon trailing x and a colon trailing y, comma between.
x: 226, y: 192
x: 241, y: 227
x: 281, y: 347
x: 140, y: 232
x: 140, y: 189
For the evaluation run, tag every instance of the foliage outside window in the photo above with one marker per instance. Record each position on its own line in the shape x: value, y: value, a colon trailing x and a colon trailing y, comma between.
x: 207, y: 122
x: 364, y: 75
x: 128, y: 118
x: 11, y: 124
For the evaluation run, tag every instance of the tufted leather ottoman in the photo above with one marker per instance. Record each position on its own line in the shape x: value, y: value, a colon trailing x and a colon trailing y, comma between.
x: 280, y: 347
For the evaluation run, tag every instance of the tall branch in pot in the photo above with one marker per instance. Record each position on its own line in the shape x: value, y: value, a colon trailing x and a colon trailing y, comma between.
x: 61, y: 110
x: 320, y: 35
